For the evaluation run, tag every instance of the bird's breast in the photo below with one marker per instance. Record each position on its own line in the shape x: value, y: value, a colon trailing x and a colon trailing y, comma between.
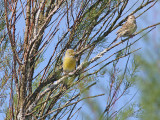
x: 69, y: 64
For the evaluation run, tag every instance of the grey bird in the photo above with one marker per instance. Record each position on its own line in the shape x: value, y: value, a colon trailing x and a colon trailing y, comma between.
x: 127, y: 29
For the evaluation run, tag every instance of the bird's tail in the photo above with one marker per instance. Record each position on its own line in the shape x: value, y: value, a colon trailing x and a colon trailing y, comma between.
x: 65, y: 83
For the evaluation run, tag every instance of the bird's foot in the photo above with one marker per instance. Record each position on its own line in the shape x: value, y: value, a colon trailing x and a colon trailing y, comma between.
x: 131, y: 36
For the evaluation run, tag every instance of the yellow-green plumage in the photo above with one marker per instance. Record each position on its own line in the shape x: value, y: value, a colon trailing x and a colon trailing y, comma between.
x: 69, y: 65
x: 69, y: 61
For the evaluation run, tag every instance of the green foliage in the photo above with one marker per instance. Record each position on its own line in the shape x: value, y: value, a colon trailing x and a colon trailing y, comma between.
x: 149, y: 84
x: 126, y: 113
x: 2, y: 18
x: 5, y: 60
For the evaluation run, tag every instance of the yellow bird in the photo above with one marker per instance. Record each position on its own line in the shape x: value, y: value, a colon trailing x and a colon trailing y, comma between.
x: 69, y: 61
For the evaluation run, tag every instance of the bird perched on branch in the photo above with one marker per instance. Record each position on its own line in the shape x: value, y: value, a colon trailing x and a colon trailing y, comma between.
x: 69, y: 61
x: 127, y: 29
x: 69, y: 65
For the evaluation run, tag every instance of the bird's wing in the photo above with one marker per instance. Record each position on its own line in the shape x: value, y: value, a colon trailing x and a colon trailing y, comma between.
x: 124, y: 27
x: 128, y: 27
